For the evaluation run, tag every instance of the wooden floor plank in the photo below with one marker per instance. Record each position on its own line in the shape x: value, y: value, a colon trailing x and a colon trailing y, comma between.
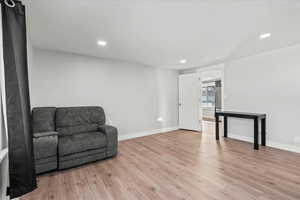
x: 179, y: 165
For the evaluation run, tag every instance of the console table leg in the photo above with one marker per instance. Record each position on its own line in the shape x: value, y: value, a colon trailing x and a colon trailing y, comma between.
x: 256, y: 147
x: 225, y: 127
x: 217, y: 127
x: 263, y: 131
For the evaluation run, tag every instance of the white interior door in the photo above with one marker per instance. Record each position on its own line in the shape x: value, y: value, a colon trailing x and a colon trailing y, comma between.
x: 189, y: 102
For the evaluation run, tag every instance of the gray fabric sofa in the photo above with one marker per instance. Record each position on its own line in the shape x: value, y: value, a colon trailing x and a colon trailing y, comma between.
x: 82, y: 137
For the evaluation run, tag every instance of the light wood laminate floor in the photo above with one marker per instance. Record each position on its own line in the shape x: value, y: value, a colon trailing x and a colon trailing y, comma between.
x: 179, y: 165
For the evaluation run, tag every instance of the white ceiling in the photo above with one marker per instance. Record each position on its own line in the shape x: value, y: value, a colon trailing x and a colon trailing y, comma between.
x: 161, y: 32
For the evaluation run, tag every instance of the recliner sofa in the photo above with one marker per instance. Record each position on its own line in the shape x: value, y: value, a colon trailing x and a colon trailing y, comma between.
x: 82, y: 137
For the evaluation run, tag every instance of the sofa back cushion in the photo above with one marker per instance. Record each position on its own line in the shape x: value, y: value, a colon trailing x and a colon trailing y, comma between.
x: 72, y: 120
x: 43, y: 119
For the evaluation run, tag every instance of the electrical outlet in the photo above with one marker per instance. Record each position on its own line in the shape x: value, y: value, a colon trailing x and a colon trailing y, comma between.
x: 297, y: 140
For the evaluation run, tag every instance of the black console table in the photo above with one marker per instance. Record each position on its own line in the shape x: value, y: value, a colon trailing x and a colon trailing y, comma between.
x: 255, y: 116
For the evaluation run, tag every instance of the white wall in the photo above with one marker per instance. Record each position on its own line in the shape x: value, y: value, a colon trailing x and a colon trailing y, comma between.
x: 267, y: 83
x: 132, y: 95
x: 30, y: 61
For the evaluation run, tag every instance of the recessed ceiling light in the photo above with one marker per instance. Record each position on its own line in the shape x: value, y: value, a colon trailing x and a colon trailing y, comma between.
x: 102, y: 43
x: 160, y: 119
x: 182, y: 61
x: 265, y: 35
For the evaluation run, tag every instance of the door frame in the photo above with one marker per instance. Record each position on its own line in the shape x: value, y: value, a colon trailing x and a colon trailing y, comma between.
x: 219, y: 67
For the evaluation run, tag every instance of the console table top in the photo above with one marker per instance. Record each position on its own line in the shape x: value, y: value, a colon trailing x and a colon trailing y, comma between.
x: 240, y: 114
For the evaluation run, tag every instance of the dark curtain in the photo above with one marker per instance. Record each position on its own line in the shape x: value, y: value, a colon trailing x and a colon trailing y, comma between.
x: 21, y: 161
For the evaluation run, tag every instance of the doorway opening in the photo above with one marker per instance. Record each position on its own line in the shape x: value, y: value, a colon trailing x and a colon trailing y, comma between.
x: 211, y: 96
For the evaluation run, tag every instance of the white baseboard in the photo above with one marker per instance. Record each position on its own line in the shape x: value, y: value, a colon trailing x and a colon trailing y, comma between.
x: 145, y: 133
x: 240, y: 137
x: 276, y: 145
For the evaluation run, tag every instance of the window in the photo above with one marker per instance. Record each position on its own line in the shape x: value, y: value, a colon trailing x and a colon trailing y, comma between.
x: 208, y: 96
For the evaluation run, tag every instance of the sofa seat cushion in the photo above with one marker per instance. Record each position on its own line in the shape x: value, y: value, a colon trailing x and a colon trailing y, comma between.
x: 45, y: 147
x: 81, y: 142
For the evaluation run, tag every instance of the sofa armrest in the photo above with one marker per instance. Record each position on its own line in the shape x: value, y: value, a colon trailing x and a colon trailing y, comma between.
x: 45, y: 134
x: 111, y: 134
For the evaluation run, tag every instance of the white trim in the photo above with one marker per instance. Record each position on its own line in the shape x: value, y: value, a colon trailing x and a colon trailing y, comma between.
x: 145, y: 133
x: 273, y: 144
